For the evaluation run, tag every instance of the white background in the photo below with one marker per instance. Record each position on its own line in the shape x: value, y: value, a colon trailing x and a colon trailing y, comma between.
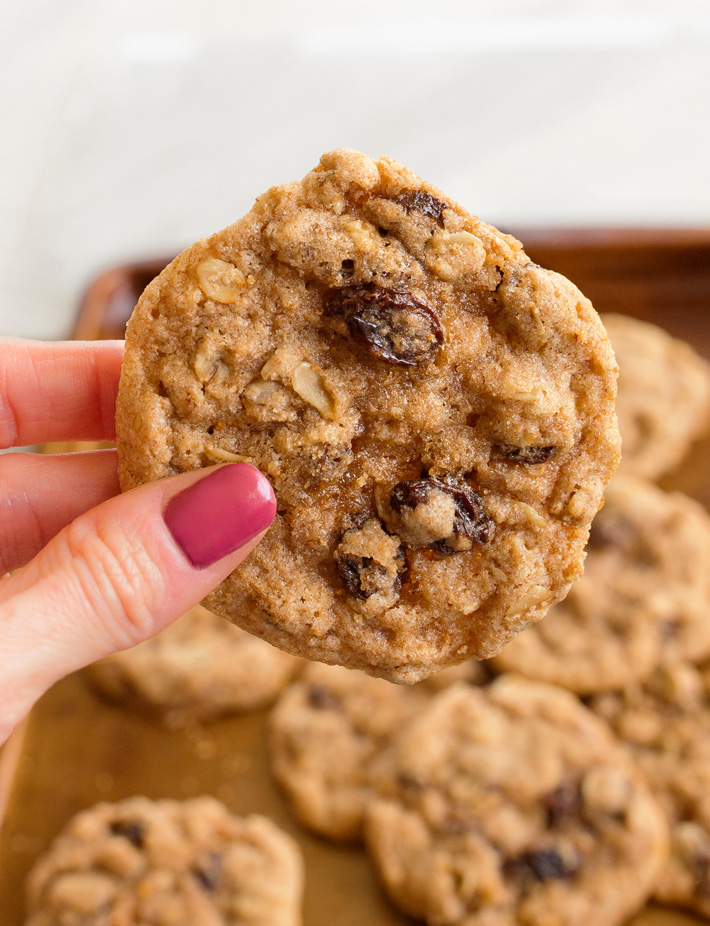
x: 135, y: 127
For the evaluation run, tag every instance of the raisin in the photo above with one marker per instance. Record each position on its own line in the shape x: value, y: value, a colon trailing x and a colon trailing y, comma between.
x: 598, y: 538
x: 611, y: 531
x: 471, y: 525
x: 411, y: 494
x: 350, y: 571
x: 208, y: 872
x: 391, y: 325
x: 670, y: 630
x: 322, y: 699
x: 701, y: 873
x: 526, y: 455
x: 562, y: 804
x: 411, y: 782
x: 132, y: 830
x: 539, y: 865
x: 458, y: 824
x: 363, y: 577
x: 421, y: 201
x: 370, y: 563
x: 606, y: 533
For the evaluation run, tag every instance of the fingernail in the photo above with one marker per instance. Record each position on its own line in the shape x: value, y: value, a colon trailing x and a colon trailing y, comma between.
x: 220, y: 513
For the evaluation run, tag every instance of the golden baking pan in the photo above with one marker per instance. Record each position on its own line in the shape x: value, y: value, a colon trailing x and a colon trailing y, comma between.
x: 76, y: 749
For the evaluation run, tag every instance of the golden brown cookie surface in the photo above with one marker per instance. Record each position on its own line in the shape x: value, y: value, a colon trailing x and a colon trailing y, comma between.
x: 328, y: 731
x: 644, y: 597
x: 187, y: 863
x: 664, y: 395
x: 665, y: 721
x: 514, y: 804
x: 325, y: 732
x: 435, y: 413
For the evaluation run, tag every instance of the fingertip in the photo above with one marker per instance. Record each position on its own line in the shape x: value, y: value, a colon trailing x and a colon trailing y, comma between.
x: 219, y: 514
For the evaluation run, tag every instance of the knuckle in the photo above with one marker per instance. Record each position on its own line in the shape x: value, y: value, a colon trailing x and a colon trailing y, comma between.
x: 118, y: 578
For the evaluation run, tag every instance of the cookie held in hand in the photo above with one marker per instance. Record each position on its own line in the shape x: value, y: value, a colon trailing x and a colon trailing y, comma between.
x: 435, y: 413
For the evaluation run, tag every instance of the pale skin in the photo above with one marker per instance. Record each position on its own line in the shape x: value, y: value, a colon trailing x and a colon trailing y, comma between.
x: 84, y: 571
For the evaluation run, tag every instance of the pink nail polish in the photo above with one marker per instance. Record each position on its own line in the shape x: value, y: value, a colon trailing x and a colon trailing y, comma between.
x: 220, y: 513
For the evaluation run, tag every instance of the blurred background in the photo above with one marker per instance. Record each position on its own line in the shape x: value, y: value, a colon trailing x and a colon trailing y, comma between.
x: 132, y: 128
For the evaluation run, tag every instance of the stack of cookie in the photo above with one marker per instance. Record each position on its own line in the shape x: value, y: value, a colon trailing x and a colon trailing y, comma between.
x: 502, y: 801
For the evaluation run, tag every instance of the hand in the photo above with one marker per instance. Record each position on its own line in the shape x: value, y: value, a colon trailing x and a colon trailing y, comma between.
x: 98, y: 571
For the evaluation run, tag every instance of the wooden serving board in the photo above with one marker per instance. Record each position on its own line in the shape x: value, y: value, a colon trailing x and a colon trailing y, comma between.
x: 75, y: 749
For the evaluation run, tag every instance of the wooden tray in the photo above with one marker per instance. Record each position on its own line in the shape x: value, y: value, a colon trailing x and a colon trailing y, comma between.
x: 75, y: 749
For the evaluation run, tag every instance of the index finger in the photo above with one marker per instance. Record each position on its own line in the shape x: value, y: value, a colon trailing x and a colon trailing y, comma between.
x: 59, y: 391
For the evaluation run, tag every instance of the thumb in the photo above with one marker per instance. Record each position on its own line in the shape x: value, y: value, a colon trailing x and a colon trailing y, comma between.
x: 121, y: 572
